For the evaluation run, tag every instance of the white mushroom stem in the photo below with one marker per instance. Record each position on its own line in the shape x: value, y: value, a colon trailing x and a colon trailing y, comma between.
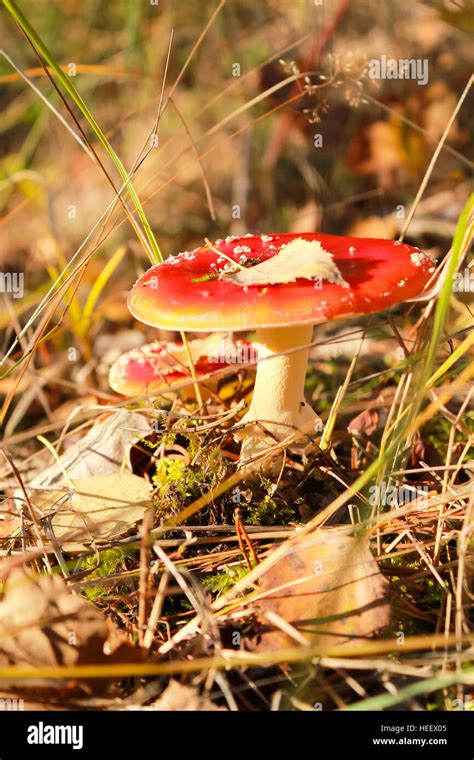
x: 278, y: 401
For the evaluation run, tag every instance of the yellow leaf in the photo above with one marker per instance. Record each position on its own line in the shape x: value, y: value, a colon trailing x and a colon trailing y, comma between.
x: 103, y: 505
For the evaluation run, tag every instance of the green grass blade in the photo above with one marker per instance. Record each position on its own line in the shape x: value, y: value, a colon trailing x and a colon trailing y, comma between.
x: 71, y: 90
x: 442, y: 306
x: 383, y: 701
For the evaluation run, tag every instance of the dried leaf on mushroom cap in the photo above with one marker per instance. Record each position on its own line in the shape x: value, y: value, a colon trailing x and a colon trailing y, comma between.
x: 299, y: 259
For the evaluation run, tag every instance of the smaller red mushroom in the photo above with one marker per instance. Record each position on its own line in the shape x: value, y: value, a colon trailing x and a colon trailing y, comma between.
x: 153, y: 368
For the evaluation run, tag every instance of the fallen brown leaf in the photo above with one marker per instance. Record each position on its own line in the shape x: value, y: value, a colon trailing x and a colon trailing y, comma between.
x: 43, y: 624
x: 104, y: 505
x: 101, y: 451
x: 374, y: 417
x: 328, y: 587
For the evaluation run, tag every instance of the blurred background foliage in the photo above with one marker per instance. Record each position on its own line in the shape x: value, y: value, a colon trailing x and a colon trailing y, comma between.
x: 250, y: 139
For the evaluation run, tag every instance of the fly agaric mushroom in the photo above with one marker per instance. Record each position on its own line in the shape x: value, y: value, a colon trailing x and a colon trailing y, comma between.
x: 279, y: 285
x: 154, y: 367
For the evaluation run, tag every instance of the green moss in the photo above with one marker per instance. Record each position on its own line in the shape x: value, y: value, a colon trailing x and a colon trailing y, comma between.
x: 433, y: 593
x: 438, y: 431
x: 168, y: 471
x: 178, y: 483
x: 110, y: 563
x: 224, y: 580
x: 265, y: 507
x: 269, y: 512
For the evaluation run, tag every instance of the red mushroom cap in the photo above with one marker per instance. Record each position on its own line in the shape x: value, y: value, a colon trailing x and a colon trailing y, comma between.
x: 184, y: 293
x: 154, y: 367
